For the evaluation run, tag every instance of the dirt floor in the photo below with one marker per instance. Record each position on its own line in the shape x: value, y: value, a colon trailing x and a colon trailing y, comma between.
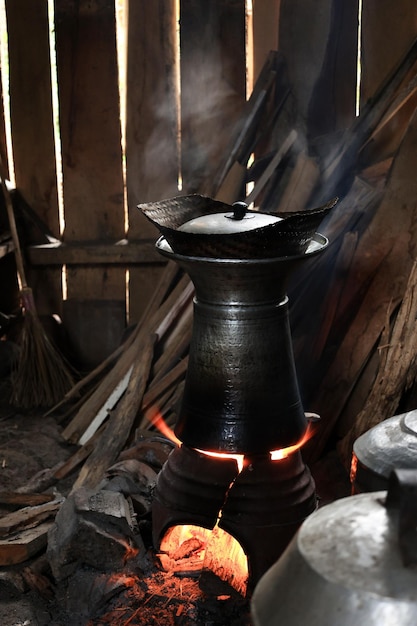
x: 29, y: 443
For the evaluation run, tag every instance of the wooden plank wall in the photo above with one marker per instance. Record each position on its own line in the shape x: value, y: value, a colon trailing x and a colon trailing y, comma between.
x: 151, y: 129
x: 90, y: 129
x: 384, y: 41
x: 319, y: 42
x: 32, y: 130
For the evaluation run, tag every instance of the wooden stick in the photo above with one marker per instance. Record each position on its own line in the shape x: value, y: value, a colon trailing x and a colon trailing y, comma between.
x: 400, y: 101
x: 158, y: 388
x: 66, y: 468
x: 120, y: 422
x: 186, y: 292
x: 301, y: 184
x: 111, y: 401
x: 13, y: 229
x: 176, y: 344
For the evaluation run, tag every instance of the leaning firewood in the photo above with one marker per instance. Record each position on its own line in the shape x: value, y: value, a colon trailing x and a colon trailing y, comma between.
x: 113, y: 386
x: 120, y: 422
x: 71, y: 464
x: 341, y: 161
x: 168, y: 276
x: 300, y: 186
x: 272, y: 166
x: 107, y: 407
x: 73, y: 406
x: 155, y: 416
x: 167, y: 316
x: 377, y: 281
x: 405, y: 95
x: 243, y: 144
x: 396, y: 373
x: 337, y: 281
x: 176, y: 344
x: 157, y: 388
x: 103, y: 399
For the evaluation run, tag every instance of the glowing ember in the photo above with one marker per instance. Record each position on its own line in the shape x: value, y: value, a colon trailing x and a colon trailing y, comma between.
x: 131, y: 551
x: 193, y: 548
x: 283, y: 453
x: 353, y: 470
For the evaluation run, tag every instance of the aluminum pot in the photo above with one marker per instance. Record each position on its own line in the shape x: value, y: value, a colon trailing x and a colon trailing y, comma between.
x: 388, y: 445
x: 352, y: 563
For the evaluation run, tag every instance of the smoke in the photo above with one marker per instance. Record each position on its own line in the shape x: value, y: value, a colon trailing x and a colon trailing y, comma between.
x: 192, y: 129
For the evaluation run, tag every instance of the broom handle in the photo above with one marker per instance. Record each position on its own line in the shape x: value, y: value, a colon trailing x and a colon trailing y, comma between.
x: 13, y: 229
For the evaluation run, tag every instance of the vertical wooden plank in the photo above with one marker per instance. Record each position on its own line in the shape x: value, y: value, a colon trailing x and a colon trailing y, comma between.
x: 319, y: 42
x: 304, y: 27
x: 265, y: 31
x: 91, y: 161
x: 151, y: 128
x: 388, y: 29
x: 3, y: 142
x: 384, y: 42
x: 9, y: 288
x: 32, y: 130
x: 332, y: 106
x: 4, y: 223
x: 213, y: 70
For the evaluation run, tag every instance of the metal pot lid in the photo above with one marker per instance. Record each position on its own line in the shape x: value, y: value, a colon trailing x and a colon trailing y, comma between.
x: 239, y: 221
x: 349, y: 563
x: 390, y: 444
x: 231, y: 231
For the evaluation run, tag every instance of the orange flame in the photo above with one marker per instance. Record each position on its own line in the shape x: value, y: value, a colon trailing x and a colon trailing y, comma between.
x: 283, y: 453
x: 158, y: 421
x: 239, y: 458
x: 189, y: 547
x: 276, y: 455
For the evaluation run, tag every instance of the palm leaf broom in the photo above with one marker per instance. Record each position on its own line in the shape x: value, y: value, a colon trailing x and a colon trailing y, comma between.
x: 41, y: 376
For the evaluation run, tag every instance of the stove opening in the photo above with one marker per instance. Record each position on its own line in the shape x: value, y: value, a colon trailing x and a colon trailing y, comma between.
x: 189, y: 548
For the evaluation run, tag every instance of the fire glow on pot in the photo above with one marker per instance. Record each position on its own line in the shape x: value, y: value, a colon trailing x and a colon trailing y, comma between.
x: 241, y: 395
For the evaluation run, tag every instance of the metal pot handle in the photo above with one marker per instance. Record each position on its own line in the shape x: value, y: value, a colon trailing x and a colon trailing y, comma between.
x: 402, y: 497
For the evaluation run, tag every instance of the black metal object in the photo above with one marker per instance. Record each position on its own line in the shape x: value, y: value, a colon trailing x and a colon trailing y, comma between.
x: 241, y: 392
x: 402, y: 496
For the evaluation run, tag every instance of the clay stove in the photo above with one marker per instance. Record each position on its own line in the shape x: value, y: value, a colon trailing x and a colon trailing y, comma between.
x: 241, y: 422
